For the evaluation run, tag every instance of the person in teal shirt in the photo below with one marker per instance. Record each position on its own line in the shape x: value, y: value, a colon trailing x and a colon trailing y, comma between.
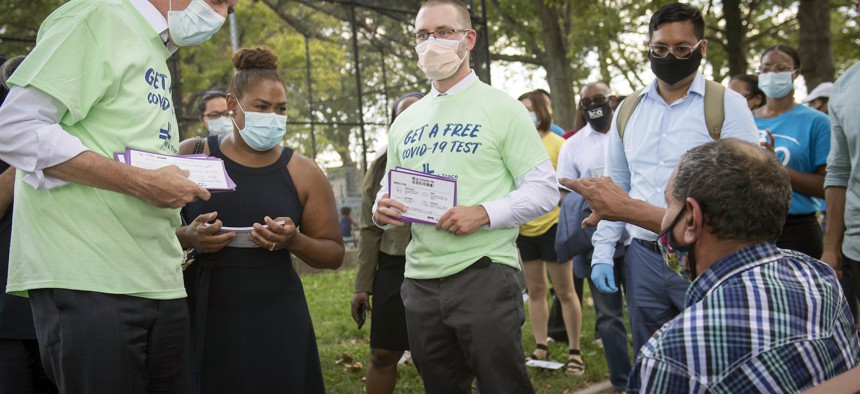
x: 801, y: 140
x: 93, y: 242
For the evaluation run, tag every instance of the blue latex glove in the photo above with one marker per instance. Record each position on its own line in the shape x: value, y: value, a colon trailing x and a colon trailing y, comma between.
x: 603, y: 276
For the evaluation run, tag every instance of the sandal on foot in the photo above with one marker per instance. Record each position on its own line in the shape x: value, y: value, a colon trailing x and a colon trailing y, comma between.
x: 534, y: 355
x: 574, y: 366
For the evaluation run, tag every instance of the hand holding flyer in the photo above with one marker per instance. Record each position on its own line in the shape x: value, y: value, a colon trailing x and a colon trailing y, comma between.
x: 427, y: 197
x: 208, y: 172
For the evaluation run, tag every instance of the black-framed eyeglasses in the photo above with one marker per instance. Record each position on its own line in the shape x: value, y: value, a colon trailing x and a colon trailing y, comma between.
x: 597, y: 99
x: 216, y: 115
x: 441, y: 33
x: 679, y: 51
x: 775, y: 68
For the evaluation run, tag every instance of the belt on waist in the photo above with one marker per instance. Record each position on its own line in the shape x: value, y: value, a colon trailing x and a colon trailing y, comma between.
x: 650, y: 245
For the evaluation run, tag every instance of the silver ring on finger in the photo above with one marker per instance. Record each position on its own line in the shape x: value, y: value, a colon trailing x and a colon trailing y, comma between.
x: 272, y: 248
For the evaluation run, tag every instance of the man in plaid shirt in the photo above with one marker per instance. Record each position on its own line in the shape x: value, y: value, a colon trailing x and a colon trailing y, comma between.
x: 758, y: 318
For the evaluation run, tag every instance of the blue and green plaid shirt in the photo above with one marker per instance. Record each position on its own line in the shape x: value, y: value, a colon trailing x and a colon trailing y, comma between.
x: 760, y: 320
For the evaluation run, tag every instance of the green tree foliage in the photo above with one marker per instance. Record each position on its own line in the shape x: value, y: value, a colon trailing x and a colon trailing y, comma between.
x: 574, y: 41
x: 19, y: 23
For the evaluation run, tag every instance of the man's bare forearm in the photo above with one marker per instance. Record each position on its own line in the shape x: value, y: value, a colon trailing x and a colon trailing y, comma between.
x: 835, y: 197
x: 7, y: 189
x: 166, y: 187
x: 94, y: 170
x: 640, y: 213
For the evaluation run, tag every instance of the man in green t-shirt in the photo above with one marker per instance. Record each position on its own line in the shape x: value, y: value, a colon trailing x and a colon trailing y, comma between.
x: 463, y: 303
x: 93, y: 242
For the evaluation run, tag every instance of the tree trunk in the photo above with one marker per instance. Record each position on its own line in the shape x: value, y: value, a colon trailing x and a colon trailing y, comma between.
x: 736, y: 46
x: 559, y: 73
x: 816, y: 47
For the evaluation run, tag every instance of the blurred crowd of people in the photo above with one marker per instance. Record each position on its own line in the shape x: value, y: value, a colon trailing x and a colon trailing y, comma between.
x: 726, y: 219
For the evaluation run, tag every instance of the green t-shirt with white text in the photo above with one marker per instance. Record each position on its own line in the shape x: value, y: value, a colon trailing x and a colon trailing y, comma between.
x: 485, y: 140
x: 107, y: 66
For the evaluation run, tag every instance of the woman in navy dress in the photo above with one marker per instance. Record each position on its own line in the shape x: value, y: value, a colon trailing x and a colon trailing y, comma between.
x: 251, y: 329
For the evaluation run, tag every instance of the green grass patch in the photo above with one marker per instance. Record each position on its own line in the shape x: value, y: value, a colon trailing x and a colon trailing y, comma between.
x: 329, y: 295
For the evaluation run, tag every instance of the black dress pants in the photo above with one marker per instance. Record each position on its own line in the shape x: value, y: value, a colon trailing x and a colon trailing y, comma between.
x: 95, y: 343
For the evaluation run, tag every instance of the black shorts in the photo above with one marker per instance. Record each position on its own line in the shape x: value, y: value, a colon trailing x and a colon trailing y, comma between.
x: 802, y: 233
x: 388, y: 319
x: 541, y: 247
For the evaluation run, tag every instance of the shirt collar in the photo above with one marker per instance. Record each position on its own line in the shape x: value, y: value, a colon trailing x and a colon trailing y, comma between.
x: 729, y: 266
x: 458, y: 87
x: 155, y: 19
x: 698, y: 87
x: 586, y: 130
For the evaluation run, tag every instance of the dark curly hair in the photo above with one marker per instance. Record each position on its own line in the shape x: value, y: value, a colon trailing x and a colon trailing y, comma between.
x: 252, y: 66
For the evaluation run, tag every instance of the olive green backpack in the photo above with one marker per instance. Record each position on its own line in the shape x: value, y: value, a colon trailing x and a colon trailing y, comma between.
x: 715, y: 111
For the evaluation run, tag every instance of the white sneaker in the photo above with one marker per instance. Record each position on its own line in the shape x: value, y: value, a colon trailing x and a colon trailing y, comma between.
x: 406, y: 358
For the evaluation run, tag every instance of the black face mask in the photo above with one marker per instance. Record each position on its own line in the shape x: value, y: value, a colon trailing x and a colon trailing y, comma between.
x: 599, y: 116
x: 671, y: 69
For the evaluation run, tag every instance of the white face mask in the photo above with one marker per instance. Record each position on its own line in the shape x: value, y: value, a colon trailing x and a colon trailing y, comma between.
x: 438, y: 57
x: 194, y: 25
x: 220, y: 126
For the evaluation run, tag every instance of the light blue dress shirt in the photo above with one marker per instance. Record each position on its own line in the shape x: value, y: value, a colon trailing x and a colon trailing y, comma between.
x: 656, y: 137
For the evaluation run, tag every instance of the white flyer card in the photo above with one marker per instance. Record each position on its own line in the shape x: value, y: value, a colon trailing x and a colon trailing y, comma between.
x: 427, y: 197
x: 209, y: 173
x: 243, y: 236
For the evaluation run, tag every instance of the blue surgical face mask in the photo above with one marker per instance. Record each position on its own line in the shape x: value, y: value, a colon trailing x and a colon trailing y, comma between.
x: 195, y: 24
x: 262, y: 130
x: 220, y: 126
x: 776, y: 85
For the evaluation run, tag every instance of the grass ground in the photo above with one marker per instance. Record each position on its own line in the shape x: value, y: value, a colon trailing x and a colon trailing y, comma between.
x: 329, y: 295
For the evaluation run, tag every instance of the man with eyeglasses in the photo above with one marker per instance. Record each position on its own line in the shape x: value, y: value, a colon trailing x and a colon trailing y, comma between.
x: 214, y: 114
x: 463, y: 303
x: 668, y: 121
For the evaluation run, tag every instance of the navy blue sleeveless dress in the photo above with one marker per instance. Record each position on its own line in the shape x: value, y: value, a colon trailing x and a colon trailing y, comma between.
x: 251, y: 331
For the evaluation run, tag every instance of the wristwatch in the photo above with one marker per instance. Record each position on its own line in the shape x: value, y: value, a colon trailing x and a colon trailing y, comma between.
x: 188, y: 256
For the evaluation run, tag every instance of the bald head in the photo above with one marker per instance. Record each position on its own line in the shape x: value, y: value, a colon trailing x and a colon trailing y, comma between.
x: 594, y: 88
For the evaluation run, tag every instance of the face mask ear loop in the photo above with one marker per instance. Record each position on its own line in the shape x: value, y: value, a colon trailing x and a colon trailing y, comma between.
x: 243, y: 111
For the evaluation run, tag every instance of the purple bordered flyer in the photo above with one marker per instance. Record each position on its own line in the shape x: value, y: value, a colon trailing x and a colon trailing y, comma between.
x: 427, y: 197
x: 208, y: 172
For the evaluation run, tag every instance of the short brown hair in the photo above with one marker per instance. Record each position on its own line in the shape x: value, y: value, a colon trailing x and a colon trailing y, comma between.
x: 540, y: 106
x: 464, y: 15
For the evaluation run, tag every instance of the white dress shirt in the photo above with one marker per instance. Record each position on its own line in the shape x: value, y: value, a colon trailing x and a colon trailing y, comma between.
x: 536, y: 192
x: 32, y: 138
x: 583, y: 155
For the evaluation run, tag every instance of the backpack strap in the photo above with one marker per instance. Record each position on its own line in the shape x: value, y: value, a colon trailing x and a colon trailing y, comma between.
x: 625, y: 110
x: 715, y: 110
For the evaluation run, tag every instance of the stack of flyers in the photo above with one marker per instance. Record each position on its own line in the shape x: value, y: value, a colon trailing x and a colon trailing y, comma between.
x: 427, y: 197
x: 208, y: 172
